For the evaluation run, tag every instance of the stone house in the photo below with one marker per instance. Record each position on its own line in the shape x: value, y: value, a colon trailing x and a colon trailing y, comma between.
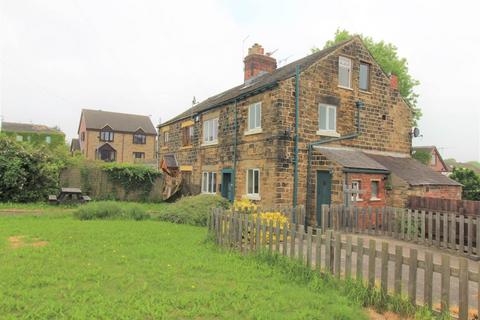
x: 33, y: 133
x: 303, y: 133
x: 116, y: 137
x: 436, y: 160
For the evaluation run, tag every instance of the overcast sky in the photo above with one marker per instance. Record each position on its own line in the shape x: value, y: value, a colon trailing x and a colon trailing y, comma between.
x: 152, y: 57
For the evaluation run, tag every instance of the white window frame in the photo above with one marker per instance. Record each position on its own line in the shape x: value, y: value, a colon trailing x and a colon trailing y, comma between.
x: 209, y: 182
x: 356, y: 197
x: 345, y: 63
x: 210, y: 131
x: 327, y: 131
x: 377, y: 198
x: 252, y: 195
x: 254, y: 125
x: 369, y: 67
x: 165, y: 137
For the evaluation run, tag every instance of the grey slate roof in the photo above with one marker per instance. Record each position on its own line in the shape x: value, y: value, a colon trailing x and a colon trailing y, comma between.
x: 263, y: 81
x: 352, y: 159
x: 28, y: 127
x: 412, y: 171
x: 98, y: 119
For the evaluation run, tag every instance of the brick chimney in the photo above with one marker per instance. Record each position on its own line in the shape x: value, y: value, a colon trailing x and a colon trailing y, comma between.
x: 257, y: 62
x: 394, y: 81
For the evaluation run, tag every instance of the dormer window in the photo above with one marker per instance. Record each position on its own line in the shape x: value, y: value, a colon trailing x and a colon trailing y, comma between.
x: 106, y: 134
x: 139, y: 137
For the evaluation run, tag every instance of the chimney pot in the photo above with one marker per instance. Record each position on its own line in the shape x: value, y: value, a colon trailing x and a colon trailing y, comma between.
x: 257, y: 62
x: 394, y: 81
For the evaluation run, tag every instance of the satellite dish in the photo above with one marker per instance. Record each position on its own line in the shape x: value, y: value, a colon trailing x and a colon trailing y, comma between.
x: 416, y: 132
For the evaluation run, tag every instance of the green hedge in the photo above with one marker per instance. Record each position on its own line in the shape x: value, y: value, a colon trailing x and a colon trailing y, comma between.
x: 192, y: 210
x: 111, y: 210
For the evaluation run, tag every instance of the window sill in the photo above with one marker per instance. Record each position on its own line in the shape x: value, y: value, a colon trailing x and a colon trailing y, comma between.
x: 364, y: 92
x: 375, y: 199
x: 186, y: 147
x: 211, y: 143
x: 209, y: 193
x: 253, y: 197
x: 253, y: 131
x: 328, y: 133
x: 346, y: 88
x: 358, y: 200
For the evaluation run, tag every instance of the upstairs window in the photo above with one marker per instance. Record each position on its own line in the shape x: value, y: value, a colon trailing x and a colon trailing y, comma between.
x: 165, y: 137
x: 255, y: 117
x: 139, y: 138
x: 327, y: 118
x: 345, y: 72
x: 138, y: 156
x: 364, y: 77
x: 209, y: 182
x: 187, y: 137
x: 106, y: 134
x: 210, y: 131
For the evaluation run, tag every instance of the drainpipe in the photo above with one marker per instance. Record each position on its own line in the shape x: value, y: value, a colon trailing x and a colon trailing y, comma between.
x: 359, y: 104
x: 295, y: 152
x: 234, y: 149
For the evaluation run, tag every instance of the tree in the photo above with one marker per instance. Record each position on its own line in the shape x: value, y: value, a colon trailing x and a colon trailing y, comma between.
x: 387, y: 57
x: 470, y: 181
x: 423, y: 156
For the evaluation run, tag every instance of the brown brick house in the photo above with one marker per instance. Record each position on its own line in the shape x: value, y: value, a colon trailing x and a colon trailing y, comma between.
x: 299, y: 134
x: 436, y: 161
x: 119, y: 137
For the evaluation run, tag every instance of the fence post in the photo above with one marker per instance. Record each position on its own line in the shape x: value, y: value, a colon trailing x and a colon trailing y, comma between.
x: 453, y: 239
x: 422, y: 229
x: 285, y: 239
x: 318, y: 251
x: 338, y: 254
x: 430, y: 228
x: 445, y: 230
x: 469, y: 235
x: 372, y: 246
x: 359, y: 273
x: 252, y: 233
x: 348, y: 258
x: 328, y: 252
x: 293, y: 234
x: 300, y: 237
x: 258, y: 224
x: 309, y: 247
x: 463, y: 290
x: 428, y: 280
x: 397, y: 289
x: 477, y: 243
x: 264, y: 235
x: 437, y: 229
x: 384, y: 274
x: 461, y: 234
x: 412, y: 276
x: 240, y: 231
x: 445, y: 289
x: 270, y: 236
x: 277, y: 237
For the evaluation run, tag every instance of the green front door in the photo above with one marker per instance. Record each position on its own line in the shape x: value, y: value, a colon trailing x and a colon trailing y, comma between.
x: 227, y: 184
x: 324, y: 191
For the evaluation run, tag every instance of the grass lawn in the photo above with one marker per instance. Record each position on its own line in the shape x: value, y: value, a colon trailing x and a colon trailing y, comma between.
x: 58, y: 267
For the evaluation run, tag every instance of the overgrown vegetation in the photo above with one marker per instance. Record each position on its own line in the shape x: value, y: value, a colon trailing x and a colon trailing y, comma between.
x: 422, y: 156
x: 145, y: 270
x: 386, y: 55
x: 111, y: 210
x: 193, y: 210
x: 29, y: 173
x: 470, y: 181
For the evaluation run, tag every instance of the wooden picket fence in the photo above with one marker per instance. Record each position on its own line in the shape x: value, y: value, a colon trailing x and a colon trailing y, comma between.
x: 427, y: 280
x: 443, y: 230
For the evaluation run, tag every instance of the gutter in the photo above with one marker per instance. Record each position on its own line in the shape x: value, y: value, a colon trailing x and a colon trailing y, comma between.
x: 235, y: 141
x: 359, y: 104
x: 295, y: 152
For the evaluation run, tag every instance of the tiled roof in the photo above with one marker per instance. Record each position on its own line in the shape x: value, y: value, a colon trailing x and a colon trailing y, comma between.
x: 412, y: 171
x: 98, y: 119
x: 75, y: 145
x: 260, y: 82
x: 351, y: 158
x: 28, y: 127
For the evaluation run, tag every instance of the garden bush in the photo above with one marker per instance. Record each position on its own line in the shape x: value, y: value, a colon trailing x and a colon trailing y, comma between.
x: 111, y: 210
x: 192, y: 210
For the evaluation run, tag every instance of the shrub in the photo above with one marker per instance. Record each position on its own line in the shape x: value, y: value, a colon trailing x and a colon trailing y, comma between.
x: 192, y: 210
x: 110, y: 210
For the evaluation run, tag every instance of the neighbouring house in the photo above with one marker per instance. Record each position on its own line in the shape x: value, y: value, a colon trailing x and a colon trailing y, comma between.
x: 34, y: 133
x: 75, y: 146
x: 116, y: 137
x: 436, y: 160
x: 312, y: 132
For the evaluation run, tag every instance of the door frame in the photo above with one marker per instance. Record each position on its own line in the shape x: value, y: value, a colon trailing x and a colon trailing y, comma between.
x: 224, y: 186
x: 317, y: 192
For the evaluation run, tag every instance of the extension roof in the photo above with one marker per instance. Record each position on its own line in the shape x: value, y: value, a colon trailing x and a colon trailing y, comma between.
x: 351, y: 158
x: 431, y: 149
x: 260, y: 83
x: 124, y: 122
x: 28, y: 127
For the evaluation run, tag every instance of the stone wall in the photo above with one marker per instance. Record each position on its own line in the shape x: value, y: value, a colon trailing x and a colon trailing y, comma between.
x: 96, y: 183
